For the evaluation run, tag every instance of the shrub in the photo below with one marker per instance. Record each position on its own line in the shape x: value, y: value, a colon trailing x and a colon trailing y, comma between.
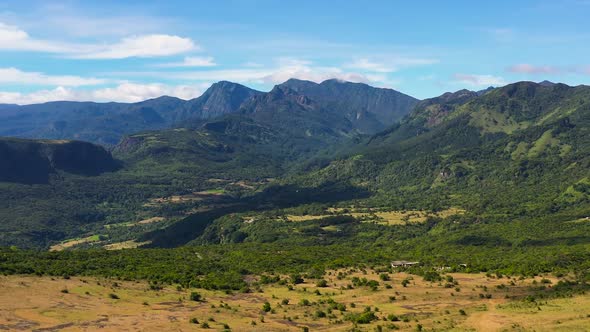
x: 320, y: 314
x: 362, y: 318
x: 296, y: 279
x: 195, y: 297
x: 114, y: 296
x: 322, y: 283
x: 266, y: 307
x: 432, y: 276
x: 304, y: 302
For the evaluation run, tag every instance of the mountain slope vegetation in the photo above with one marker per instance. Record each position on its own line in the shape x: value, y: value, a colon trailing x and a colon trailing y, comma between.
x: 33, y: 161
x: 516, y: 147
x: 516, y: 155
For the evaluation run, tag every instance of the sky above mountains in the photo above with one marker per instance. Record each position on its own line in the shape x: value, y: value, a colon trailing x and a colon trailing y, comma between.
x: 134, y: 50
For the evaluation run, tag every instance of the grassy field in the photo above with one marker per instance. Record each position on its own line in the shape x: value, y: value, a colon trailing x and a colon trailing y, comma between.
x: 346, y: 302
x: 74, y: 242
x: 381, y: 217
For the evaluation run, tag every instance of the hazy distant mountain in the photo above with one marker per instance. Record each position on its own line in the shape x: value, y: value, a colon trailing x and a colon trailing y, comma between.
x: 106, y: 123
x: 368, y: 109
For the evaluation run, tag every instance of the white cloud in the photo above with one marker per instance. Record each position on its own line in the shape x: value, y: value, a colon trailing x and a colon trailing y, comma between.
x: 152, y: 45
x: 366, y: 64
x: 13, y: 38
x: 479, y: 80
x: 316, y: 74
x: 389, y: 64
x: 132, y: 92
x: 284, y: 69
x: 16, y: 76
x: 126, y: 92
x: 141, y: 46
x: 191, y: 61
x: 41, y: 96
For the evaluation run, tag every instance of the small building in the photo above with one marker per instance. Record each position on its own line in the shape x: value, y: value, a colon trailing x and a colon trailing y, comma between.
x: 396, y: 264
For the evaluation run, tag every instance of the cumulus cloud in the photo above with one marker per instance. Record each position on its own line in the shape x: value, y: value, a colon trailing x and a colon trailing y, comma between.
x: 525, y: 68
x: 16, y: 76
x: 125, y: 92
x: 41, y: 96
x: 153, y: 45
x: 316, y: 74
x: 479, y: 80
x: 191, y: 61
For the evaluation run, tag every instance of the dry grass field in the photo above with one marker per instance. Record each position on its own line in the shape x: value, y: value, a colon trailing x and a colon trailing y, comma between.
x: 29, y: 303
x: 382, y: 217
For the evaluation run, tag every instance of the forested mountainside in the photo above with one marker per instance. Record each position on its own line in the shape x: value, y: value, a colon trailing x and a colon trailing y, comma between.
x: 520, y: 151
x: 523, y: 147
x: 33, y: 161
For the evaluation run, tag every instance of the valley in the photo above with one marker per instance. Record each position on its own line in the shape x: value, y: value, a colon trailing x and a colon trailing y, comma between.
x: 473, y: 185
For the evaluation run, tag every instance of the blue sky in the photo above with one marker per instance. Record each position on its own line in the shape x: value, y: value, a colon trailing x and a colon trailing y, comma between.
x: 134, y: 50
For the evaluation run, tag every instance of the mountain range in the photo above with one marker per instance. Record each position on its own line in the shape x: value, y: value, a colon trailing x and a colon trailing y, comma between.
x: 368, y: 109
x: 519, y: 150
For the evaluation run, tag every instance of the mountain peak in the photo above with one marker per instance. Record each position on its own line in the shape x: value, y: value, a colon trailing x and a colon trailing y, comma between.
x: 546, y: 83
x: 227, y: 86
x: 370, y: 108
x: 299, y: 85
